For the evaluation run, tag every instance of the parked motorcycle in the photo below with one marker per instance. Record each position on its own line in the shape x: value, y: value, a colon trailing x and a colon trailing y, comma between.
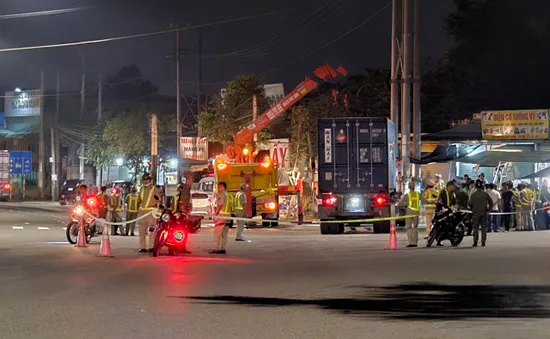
x: 448, y: 225
x: 92, y: 228
x: 173, y: 229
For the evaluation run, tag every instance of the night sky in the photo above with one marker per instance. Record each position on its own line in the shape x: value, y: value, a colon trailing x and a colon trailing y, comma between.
x: 367, y: 47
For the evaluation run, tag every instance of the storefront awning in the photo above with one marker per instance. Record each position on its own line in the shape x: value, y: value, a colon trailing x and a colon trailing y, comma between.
x: 540, y: 174
x: 492, y: 157
x: 445, y: 154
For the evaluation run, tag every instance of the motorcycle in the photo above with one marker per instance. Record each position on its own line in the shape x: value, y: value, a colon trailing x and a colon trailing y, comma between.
x: 92, y: 228
x: 173, y: 229
x: 448, y: 224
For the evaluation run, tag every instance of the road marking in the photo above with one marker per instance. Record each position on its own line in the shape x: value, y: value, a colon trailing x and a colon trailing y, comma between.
x: 43, y: 228
x: 64, y: 228
x: 17, y: 227
x: 27, y: 223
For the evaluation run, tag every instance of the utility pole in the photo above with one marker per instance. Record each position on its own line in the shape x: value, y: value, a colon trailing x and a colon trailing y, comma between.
x: 199, y: 81
x: 417, y: 85
x: 394, y: 101
x: 99, y: 171
x: 254, y: 116
x: 41, y: 141
x: 154, y: 147
x: 82, y: 110
x: 177, y: 56
x: 54, y: 143
x: 406, y: 96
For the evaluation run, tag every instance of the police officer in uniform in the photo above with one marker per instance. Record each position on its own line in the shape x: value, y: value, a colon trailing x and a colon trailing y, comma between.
x: 429, y: 198
x: 182, y: 200
x: 221, y: 226
x: 114, y: 208
x: 480, y: 203
x: 149, y: 198
x: 411, y: 201
x: 103, y: 201
x: 132, y: 209
x: 240, y: 204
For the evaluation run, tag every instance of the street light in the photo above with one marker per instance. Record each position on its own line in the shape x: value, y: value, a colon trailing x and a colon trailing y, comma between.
x: 119, y: 161
x: 173, y: 163
x: 18, y: 90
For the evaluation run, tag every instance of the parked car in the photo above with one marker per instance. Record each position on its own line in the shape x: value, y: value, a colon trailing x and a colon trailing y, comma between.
x: 202, y: 196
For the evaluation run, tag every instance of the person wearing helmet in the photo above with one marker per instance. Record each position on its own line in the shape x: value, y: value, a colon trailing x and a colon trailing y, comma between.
x: 411, y: 201
x: 149, y: 198
x: 132, y: 209
x: 429, y: 197
x: 480, y: 204
x: 439, y: 184
x: 447, y: 197
x: 240, y: 212
x: 182, y: 200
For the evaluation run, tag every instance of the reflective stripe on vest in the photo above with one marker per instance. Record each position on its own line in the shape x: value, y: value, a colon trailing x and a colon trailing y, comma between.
x: 431, y: 197
x: 113, y: 203
x: 133, y: 203
x: 413, y: 201
x: 238, y: 205
x: 226, y: 210
x: 146, y: 206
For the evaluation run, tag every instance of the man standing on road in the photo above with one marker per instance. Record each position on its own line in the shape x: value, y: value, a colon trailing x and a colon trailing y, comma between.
x: 182, y: 200
x: 240, y: 203
x: 114, y: 208
x: 507, y: 204
x: 221, y: 226
x: 103, y: 201
x: 430, y: 199
x: 526, y: 201
x: 411, y: 201
x: 132, y: 209
x: 149, y: 198
x: 494, y: 223
x: 447, y: 196
x: 481, y: 204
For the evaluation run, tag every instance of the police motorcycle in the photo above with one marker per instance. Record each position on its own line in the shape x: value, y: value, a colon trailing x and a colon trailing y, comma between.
x: 91, y: 227
x: 173, y: 229
x: 448, y: 224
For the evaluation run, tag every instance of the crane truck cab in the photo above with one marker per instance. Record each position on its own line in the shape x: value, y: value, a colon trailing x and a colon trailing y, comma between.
x: 262, y: 178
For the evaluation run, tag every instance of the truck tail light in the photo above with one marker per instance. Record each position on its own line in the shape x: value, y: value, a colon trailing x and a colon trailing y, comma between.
x: 6, y: 186
x: 380, y: 200
x: 329, y: 200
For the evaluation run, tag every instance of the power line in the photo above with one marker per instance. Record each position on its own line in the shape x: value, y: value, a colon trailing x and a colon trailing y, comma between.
x: 43, y: 13
x: 353, y: 29
x: 142, y: 35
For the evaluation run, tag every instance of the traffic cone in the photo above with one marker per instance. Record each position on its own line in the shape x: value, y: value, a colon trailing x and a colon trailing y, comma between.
x: 81, y: 242
x: 393, y: 237
x: 105, y: 246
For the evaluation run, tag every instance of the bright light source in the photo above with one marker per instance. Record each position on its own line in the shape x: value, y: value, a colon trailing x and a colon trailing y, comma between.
x: 18, y: 90
x: 119, y: 161
x: 222, y: 166
x: 270, y: 205
x: 173, y: 162
x: 506, y: 150
x: 329, y: 201
x: 246, y: 151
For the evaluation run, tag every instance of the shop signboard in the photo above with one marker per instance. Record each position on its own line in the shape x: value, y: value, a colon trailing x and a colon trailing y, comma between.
x: 515, y: 125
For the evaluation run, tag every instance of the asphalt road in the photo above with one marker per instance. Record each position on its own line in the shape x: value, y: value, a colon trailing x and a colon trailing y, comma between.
x: 287, y: 283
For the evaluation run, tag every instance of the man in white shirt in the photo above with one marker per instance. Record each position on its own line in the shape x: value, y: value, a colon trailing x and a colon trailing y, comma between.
x: 494, y: 224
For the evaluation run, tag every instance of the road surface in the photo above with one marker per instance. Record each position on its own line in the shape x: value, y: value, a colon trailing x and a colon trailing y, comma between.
x: 287, y: 283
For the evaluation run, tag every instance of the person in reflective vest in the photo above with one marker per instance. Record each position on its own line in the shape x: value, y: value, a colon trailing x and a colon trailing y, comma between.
x: 132, y: 209
x: 114, y: 208
x: 103, y: 201
x: 429, y: 198
x: 149, y: 198
x: 517, y: 221
x: 240, y: 205
x: 182, y: 200
x: 411, y: 201
x: 221, y: 226
x: 439, y: 183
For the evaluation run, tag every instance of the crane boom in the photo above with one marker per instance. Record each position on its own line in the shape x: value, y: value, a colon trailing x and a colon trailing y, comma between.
x: 246, y: 135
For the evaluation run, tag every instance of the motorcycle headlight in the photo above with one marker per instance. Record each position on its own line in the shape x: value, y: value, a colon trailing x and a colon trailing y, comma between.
x: 165, y: 217
x: 78, y: 211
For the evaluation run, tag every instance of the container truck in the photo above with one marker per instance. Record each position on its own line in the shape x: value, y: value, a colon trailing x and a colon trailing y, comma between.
x: 357, y: 172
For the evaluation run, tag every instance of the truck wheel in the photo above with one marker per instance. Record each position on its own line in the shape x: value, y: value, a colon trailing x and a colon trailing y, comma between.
x: 275, y: 223
x: 381, y: 227
x: 324, y: 228
x: 341, y: 228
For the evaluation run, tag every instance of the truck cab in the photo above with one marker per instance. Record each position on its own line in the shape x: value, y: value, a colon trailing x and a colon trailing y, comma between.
x: 357, y: 172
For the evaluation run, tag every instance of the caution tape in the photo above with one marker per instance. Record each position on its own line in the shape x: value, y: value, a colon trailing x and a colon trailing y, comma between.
x: 118, y: 223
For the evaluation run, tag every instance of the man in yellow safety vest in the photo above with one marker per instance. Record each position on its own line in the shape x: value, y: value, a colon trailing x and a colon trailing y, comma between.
x: 149, y: 198
x: 114, y: 208
x: 429, y: 197
x: 132, y: 209
x: 221, y: 226
x: 526, y: 198
x: 411, y: 201
x: 240, y: 204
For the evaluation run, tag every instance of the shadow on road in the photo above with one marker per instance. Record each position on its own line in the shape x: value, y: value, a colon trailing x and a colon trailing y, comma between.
x: 420, y: 302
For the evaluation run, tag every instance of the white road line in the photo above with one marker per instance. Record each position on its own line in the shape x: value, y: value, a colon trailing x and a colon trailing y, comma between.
x: 27, y: 223
x: 64, y: 228
x: 17, y: 227
x: 43, y: 228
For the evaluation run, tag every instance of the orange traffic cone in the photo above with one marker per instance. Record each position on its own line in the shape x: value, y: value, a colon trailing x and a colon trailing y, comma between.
x: 81, y: 242
x: 393, y: 237
x: 105, y: 246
